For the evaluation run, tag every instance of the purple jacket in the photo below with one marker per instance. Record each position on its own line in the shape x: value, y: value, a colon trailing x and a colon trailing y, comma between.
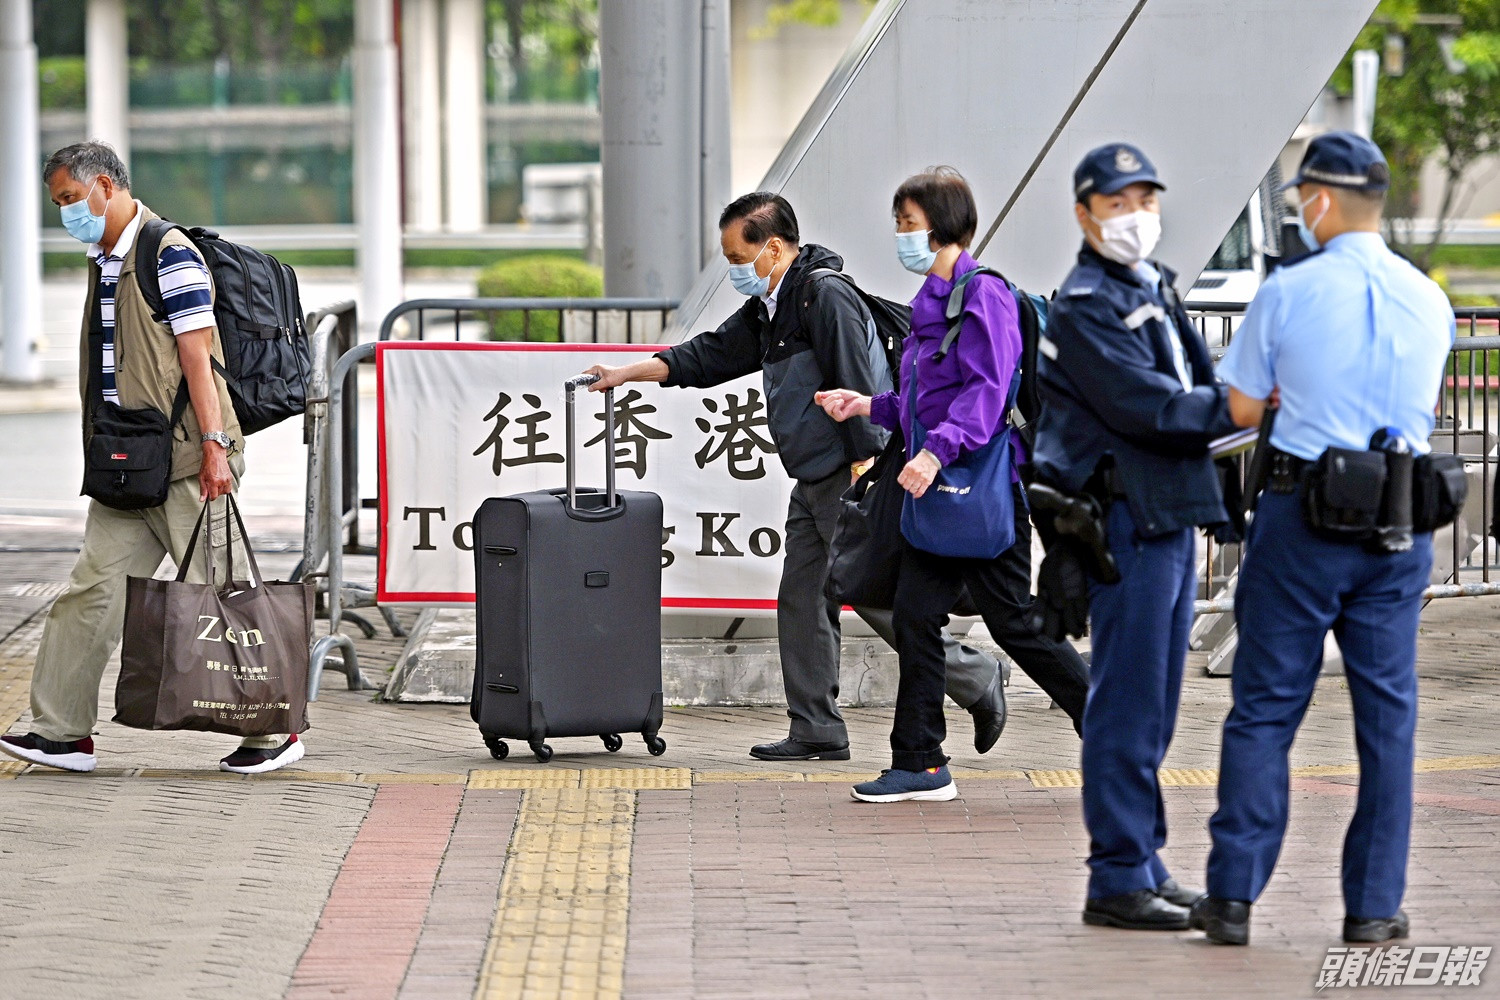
x: 960, y: 400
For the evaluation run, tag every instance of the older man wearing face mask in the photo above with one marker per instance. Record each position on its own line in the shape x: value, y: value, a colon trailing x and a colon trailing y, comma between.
x: 143, y: 362
x: 1130, y: 404
x: 807, y: 332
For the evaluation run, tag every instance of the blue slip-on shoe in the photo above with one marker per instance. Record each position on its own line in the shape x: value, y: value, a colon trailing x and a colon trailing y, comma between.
x: 932, y: 785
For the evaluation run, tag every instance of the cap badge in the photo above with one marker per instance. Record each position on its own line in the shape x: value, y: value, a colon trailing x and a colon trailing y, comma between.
x: 1126, y: 162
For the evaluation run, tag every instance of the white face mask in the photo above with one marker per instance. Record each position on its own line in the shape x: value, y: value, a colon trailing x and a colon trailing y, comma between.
x: 1129, y: 239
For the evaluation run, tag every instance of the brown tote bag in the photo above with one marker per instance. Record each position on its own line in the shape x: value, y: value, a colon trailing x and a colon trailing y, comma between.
x: 222, y: 660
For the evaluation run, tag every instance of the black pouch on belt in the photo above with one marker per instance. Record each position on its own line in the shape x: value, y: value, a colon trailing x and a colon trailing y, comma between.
x: 1439, y: 488
x: 1345, y: 487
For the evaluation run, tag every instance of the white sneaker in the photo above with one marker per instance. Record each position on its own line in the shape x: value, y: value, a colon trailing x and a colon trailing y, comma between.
x: 257, y: 760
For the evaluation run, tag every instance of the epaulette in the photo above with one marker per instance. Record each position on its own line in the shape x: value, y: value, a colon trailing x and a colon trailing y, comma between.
x: 1081, y: 281
x: 1294, y: 261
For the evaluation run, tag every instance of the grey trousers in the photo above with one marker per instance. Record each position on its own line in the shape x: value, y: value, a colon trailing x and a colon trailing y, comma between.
x: 807, y: 623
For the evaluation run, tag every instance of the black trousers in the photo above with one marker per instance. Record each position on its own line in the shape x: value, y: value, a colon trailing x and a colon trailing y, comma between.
x: 1001, y: 590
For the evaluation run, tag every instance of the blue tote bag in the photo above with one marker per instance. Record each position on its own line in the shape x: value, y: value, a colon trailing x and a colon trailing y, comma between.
x: 969, y: 511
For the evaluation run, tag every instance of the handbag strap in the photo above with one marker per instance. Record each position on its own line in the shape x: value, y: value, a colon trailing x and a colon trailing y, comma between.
x: 204, y: 516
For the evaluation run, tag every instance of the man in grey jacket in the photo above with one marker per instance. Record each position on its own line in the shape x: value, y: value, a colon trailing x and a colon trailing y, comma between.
x: 806, y: 334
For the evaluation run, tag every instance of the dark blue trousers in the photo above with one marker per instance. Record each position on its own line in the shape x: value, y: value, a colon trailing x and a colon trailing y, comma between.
x: 1293, y: 588
x: 1140, y: 628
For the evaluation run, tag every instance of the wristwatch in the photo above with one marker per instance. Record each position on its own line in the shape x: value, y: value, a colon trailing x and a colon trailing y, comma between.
x: 221, y: 438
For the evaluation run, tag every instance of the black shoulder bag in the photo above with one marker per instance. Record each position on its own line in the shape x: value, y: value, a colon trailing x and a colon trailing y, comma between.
x: 127, y: 463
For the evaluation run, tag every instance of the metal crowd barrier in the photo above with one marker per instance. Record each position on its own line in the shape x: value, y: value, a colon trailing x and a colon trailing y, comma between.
x: 1468, y: 424
x: 333, y: 471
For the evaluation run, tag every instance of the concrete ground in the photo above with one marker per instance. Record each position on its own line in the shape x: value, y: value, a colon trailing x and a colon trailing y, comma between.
x: 399, y: 861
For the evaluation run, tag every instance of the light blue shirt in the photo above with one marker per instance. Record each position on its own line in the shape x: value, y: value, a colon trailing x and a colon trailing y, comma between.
x: 1355, y: 338
x: 1179, y: 353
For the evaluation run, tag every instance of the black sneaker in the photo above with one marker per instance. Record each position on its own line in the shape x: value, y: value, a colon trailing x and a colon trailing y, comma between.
x: 255, y: 760
x: 72, y: 755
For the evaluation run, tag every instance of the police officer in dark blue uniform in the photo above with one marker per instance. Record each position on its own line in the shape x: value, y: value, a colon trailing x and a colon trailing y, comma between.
x: 1130, y: 404
x: 1354, y: 339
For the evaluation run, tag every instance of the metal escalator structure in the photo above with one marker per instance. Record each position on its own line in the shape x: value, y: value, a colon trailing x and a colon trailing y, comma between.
x: 1014, y: 92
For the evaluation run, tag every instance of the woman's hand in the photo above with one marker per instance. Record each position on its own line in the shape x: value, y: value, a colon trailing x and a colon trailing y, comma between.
x: 919, y: 473
x: 841, y: 404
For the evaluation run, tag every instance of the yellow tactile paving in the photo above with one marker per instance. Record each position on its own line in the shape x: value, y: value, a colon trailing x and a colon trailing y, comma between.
x: 1188, y: 776
x: 1056, y: 779
x: 979, y: 774
x: 1470, y: 763
x: 552, y: 777
x: 11, y: 768
x: 559, y: 929
x: 637, y: 777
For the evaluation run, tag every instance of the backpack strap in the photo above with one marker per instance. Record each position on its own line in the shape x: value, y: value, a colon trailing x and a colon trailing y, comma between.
x: 148, y: 248
x: 954, y: 313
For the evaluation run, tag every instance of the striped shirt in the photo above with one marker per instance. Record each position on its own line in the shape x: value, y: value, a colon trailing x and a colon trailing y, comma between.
x: 186, y: 290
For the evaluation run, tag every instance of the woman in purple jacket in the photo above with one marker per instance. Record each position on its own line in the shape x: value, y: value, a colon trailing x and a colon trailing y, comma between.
x: 961, y: 399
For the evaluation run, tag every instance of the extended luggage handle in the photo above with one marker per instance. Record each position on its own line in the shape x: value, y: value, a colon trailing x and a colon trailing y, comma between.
x: 571, y: 386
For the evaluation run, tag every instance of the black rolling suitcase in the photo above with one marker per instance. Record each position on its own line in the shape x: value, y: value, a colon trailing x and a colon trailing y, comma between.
x: 567, y: 593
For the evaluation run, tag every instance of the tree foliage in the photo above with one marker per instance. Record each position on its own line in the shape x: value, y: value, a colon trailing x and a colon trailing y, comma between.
x: 1445, y: 99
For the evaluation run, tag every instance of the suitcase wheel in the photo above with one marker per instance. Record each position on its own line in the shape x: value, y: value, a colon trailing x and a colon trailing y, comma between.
x: 656, y: 745
x: 498, y: 748
x: 612, y: 742
x: 543, y: 752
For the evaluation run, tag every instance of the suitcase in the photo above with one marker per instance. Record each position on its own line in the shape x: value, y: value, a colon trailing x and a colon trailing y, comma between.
x: 567, y: 593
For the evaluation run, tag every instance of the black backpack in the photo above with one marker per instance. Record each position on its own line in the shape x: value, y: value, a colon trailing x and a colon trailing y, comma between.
x: 892, y: 319
x: 259, y: 315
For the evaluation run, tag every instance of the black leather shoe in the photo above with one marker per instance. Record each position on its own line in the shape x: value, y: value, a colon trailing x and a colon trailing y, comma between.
x: 1358, y: 931
x: 1142, y: 910
x: 1174, y: 893
x: 989, y: 717
x: 1226, y: 921
x: 790, y: 749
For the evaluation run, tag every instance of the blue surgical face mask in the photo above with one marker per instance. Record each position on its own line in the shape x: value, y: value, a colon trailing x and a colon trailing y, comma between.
x: 915, y: 252
x: 80, y: 221
x: 1305, y: 231
x: 746, y: 281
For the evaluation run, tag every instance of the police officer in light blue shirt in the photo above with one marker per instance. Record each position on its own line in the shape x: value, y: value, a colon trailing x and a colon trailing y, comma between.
x: 1354, y: 339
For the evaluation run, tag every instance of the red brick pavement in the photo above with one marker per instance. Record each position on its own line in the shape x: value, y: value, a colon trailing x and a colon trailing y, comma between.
x: 779, y: 890
x: 373, y: 919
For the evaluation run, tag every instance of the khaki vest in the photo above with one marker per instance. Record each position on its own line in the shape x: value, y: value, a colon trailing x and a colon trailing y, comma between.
x: 147, y: 368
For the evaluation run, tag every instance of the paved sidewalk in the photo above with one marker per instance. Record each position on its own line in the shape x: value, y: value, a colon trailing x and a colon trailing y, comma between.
x: 398, y: 861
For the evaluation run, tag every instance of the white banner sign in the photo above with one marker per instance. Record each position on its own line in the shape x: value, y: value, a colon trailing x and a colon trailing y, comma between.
x: 461, y: 422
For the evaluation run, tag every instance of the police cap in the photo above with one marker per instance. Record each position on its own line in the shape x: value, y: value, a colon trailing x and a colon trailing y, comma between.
x: 1109, y: 168
x: 1343, y: 159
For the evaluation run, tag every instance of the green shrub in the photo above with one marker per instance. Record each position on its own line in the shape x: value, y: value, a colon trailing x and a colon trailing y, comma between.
x: 61, y: 82
x: 550, y: 276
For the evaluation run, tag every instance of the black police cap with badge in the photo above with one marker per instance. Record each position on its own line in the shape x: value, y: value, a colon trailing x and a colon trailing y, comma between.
x: 1111, y: 168
x: 1343, y: 159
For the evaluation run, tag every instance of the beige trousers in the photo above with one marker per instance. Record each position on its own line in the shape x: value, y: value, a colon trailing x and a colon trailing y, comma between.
x: 83, y: 628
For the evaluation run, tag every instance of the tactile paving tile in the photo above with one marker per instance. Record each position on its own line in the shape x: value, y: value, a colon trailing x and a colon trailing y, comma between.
x: 637, y: 777
x: 552, y: 777
x: 1072, y: 778
x: 1188, y: 776
x: 560, y: 927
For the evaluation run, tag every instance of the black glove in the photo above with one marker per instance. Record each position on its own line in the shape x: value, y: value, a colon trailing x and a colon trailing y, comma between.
x: 1061, y: 608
